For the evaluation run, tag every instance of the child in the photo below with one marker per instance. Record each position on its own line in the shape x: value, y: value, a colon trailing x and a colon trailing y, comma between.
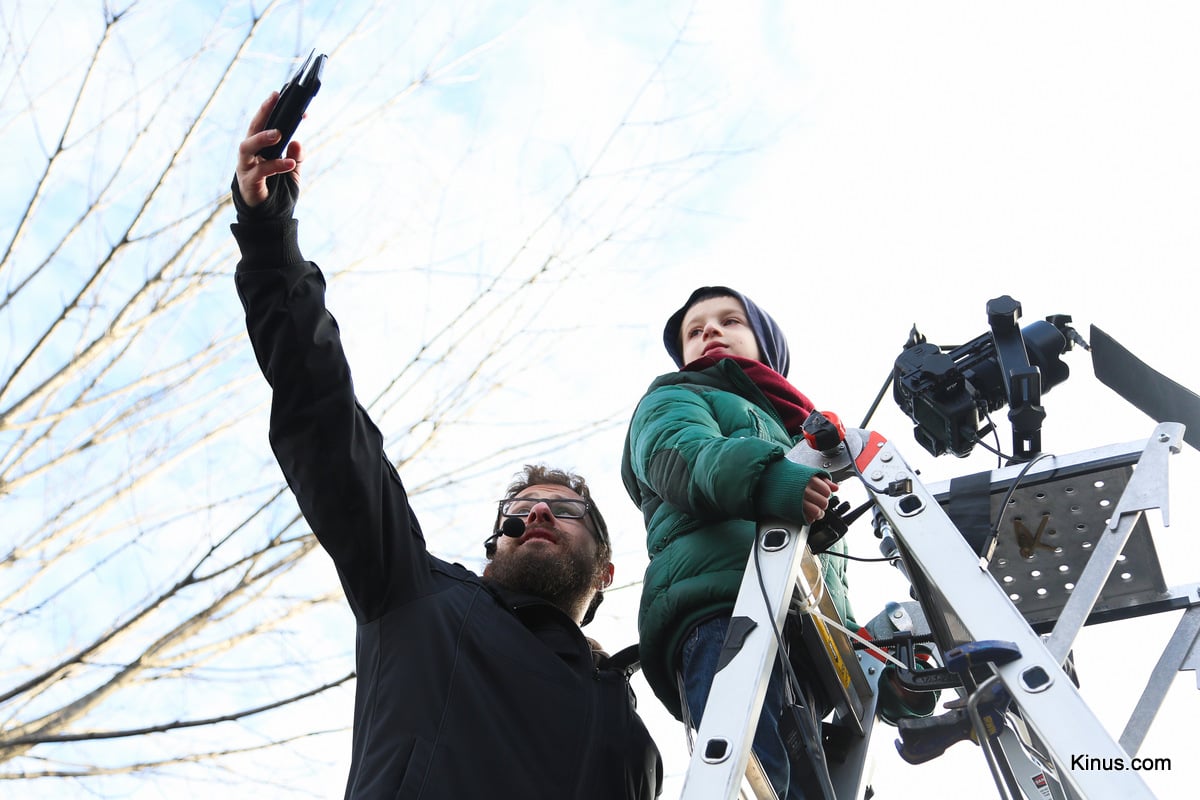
x: 704, y: 459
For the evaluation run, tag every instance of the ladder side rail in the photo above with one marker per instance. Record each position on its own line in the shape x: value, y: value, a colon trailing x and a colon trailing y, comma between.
x: 726, y: 732
x: 850, y: 776
x: 1035, y: 680
x: 999, y: 760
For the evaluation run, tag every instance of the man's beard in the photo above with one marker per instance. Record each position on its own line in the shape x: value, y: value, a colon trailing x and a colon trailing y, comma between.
x: 563, y: 576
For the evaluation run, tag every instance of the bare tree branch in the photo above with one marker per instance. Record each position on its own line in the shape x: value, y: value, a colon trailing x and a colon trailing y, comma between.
x: 150, y: 549
x: 175, y: 724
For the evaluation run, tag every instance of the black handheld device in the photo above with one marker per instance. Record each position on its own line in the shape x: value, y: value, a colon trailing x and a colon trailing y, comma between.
x: 294, y: 98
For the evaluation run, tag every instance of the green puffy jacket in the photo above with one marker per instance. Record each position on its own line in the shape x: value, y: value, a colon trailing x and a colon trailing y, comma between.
x: 704, y: 459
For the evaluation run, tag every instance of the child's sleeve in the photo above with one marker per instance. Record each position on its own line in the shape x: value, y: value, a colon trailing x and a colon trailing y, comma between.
x: 682, y: 454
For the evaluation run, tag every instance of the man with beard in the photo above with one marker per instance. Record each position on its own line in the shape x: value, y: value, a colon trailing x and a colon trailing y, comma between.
x: 467, y: 686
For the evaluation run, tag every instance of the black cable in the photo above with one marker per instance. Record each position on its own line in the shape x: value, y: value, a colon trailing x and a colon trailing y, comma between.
x: 995, y: 532
x: 1001, y: 456
x: 847, y: 556
x: 789, y: 672
x: 848, y: 520
x: 995, y: 431
x: 878, y: 399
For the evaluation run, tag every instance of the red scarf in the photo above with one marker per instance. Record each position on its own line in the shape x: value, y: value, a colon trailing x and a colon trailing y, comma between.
x: 792, y: 406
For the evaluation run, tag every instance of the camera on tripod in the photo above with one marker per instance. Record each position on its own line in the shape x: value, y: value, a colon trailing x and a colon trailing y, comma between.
x: 949, y: 393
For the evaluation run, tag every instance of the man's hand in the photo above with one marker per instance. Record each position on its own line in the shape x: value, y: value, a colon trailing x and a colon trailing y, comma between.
x: 252, y: 169
x: 816, y: 497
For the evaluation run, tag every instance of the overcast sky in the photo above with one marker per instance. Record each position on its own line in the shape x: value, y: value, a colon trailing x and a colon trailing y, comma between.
x: 881, y: 166
x: 855, y: 168
x: 933, y: 156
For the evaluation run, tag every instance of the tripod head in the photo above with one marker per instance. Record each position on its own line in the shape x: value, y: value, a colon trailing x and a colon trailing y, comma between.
x: 949, y: 392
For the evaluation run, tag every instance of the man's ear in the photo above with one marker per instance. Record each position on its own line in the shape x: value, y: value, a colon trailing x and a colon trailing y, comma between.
x: 606, y: 577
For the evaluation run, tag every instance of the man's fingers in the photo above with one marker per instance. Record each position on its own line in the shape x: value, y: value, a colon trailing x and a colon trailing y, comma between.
x: 248, y: 149
x: 252, y: 181
x: 260, y: 117
x: 252, y: 169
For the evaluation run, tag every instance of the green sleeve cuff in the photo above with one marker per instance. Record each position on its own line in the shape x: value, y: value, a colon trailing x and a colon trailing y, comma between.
x: 780, y: 492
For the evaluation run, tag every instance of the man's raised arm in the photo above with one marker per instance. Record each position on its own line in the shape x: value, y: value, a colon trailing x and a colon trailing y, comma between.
x: 330, y: 451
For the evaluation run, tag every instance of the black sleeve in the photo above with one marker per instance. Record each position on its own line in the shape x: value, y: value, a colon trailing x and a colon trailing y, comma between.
x: 330, y: 451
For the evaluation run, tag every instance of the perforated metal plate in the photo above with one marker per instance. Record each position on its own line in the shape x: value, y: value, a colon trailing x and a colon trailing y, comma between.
x: 1050, y: 527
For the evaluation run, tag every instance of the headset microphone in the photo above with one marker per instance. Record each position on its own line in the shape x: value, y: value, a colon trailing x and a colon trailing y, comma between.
x: 513, y: 526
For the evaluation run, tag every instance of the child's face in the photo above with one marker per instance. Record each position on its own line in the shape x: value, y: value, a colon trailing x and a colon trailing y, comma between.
x: 717, y: 327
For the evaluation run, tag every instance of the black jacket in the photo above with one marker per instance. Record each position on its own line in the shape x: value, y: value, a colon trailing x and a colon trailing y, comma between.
x: 464, y: 690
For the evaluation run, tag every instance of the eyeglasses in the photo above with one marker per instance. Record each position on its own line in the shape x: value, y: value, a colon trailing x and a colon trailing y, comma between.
x: 559, y: 507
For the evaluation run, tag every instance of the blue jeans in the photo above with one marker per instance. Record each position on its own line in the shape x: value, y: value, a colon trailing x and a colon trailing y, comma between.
x: 701, y: 649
